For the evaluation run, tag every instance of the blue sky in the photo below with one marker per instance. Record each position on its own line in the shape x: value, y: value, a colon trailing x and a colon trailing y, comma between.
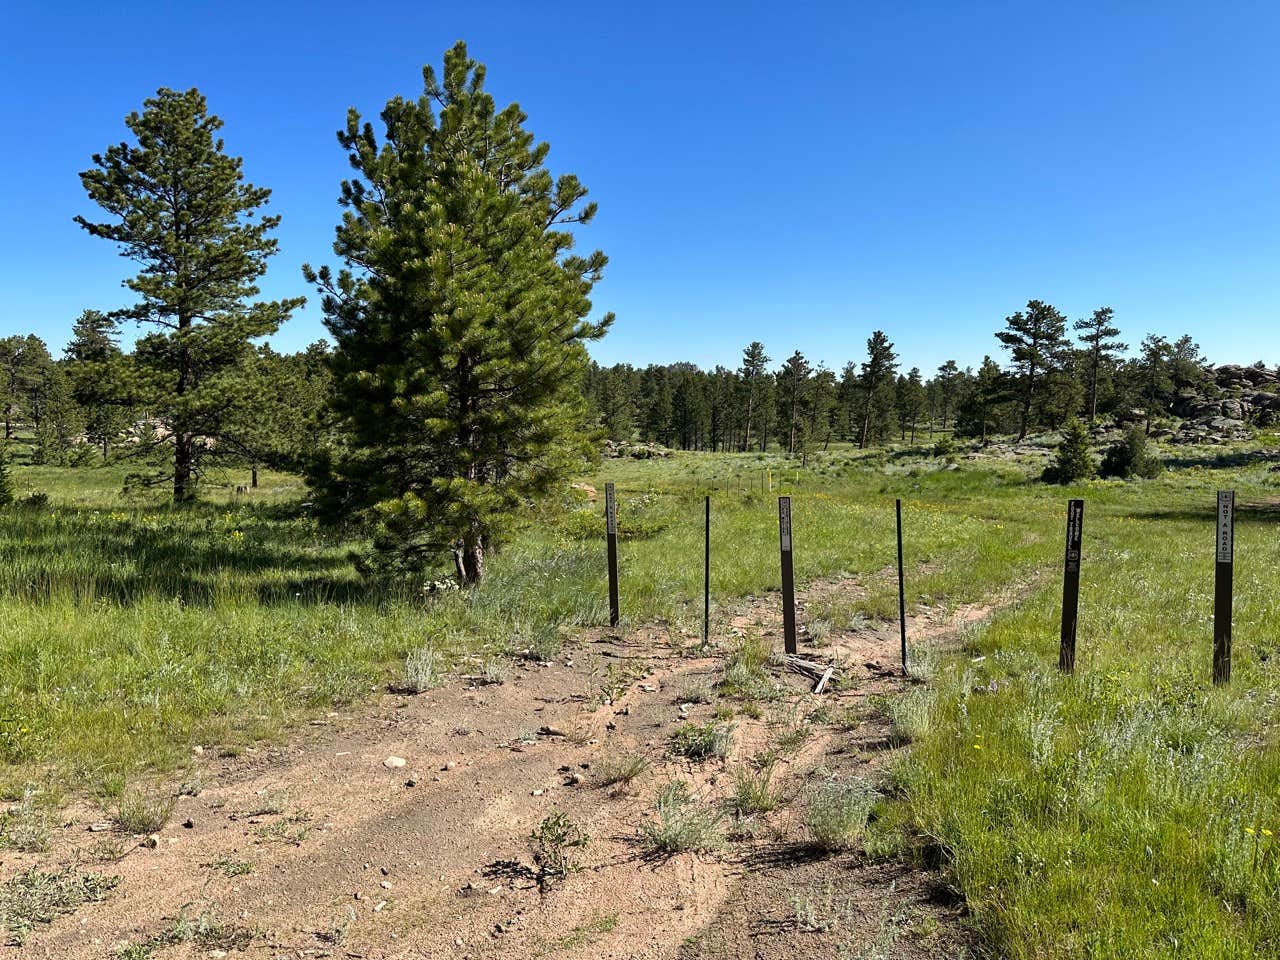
x: 795, y: 173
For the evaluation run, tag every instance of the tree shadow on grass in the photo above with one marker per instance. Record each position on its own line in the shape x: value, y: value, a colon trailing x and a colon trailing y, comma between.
x: 1262, y: 510
x: 130, y: 561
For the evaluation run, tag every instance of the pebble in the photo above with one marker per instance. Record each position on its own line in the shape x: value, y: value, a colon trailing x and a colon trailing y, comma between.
x: 393, y: 763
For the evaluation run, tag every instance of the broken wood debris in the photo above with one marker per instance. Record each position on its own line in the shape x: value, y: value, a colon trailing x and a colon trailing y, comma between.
x: 820, y: 673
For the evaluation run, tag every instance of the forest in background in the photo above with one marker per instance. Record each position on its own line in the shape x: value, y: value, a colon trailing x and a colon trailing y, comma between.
x: 81, y: 407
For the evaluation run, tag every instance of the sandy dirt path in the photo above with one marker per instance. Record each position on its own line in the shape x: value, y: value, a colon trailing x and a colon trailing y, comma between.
x: 317, y: 848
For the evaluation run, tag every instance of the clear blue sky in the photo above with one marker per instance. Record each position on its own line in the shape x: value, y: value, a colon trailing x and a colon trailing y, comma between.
x: 797, y: 173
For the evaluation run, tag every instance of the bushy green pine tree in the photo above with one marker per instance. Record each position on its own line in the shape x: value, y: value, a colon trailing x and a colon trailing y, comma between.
x: 1130, y: 456
x: 460, y: 322
x: 1075, y: 459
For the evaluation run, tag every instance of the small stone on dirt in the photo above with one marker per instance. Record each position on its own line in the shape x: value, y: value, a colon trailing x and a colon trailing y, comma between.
x: 188, y: 824
x: 393, y: 763
x: 102, y: 826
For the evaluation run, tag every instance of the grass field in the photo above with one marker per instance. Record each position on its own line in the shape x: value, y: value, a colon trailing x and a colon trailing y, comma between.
x: 1126, y: 812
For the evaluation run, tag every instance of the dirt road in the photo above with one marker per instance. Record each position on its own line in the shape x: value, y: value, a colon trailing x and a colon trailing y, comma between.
x: 326, y: 847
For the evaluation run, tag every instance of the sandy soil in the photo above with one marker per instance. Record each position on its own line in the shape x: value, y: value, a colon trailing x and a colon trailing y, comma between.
x: 351, y: 858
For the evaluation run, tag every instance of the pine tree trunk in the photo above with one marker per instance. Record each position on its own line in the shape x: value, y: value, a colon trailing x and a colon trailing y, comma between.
x: 253, y: 476
x: 468, y: 558
x: 183, y: 475
x: 1093, y: 390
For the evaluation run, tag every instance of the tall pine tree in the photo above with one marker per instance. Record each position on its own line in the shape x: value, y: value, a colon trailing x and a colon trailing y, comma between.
x: 1035, y: 340
x: 876, y: 382
x: 460, y: 322
x: 1098, y: 337
x: 180, y: 207
x: 752, y: 372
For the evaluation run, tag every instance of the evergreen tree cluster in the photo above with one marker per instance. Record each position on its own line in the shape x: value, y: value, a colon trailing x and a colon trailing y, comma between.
x: 1046, y: 380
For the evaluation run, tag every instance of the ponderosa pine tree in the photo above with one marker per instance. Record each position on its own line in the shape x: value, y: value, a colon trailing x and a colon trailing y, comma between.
x: 876, y: 384
x: 948, y: 376
x: 96, y: 368
x: 1098, y: 337
x: 180, y: 207
x: 794, y: 379
x: 754, y: 366
x: 460, y: 324
x: 1035, y: 340
x: 22, y: 359
x: 911, y: 401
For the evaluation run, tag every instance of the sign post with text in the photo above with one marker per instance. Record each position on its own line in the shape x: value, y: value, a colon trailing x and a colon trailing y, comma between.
x: 1223, y: 569
x: 611, y: 535
x: 788, y: 577
x: 1071, y: 586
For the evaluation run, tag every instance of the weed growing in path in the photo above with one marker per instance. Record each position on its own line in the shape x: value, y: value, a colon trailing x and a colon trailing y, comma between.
x: 837, y: 811
x: 554, y: 842
x: 681, y: 824
x: 703, y: 741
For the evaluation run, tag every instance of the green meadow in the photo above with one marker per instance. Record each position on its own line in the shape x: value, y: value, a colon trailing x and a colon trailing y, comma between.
x: 1128, y: 811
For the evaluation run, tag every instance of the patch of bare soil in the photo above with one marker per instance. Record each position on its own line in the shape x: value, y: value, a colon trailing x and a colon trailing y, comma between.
x: 326, y: 847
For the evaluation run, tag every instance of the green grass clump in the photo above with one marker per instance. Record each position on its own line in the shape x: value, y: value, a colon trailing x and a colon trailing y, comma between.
x: 911, y: 715
x: 144, y: 811
x: 753, y: 789
x: 702, y: 741
x: 36, y: 897
x: 681, y: 823
x: 422, y: 670
x: 837, y: 811
x: 613, y: 771
x: 745, y: 674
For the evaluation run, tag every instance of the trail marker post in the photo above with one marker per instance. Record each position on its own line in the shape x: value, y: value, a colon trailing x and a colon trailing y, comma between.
x: 1071, y: 586
x: 611, y: 536
x: 1222, y: 582
x: 902, y: 591
x: 788, y: 577
x: 706, y: 578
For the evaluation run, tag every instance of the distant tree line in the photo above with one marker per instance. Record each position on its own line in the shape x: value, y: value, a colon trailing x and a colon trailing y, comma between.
x: 93, y: 404
x: 1047, y: 377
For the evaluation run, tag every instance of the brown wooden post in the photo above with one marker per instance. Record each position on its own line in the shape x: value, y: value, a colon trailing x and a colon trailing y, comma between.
x: 788, y: 577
